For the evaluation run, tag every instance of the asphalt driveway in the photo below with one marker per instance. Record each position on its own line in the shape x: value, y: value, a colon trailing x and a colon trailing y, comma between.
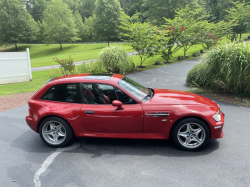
x: 26, y: 161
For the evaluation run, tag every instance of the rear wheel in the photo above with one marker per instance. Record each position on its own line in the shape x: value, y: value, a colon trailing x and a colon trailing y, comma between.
x: 55, y: 132
x: 191, y: 134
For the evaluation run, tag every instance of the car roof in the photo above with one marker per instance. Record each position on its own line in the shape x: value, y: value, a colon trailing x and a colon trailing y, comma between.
x: 88, y: 76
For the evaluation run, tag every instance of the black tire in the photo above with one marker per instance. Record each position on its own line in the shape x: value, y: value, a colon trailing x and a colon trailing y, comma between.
x: 55, y: 132
x: 194, y: 140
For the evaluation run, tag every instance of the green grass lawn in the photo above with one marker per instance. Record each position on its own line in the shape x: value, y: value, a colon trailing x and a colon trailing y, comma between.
x: 42, y: 55
x: 225, y: 39
x: 40, y: 77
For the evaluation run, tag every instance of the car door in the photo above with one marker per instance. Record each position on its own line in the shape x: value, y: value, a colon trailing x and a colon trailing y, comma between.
x: 99, y: 115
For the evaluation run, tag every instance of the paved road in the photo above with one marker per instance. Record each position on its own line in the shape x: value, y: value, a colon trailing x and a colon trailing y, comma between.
x: 76, y: 63
x: 100, y: 162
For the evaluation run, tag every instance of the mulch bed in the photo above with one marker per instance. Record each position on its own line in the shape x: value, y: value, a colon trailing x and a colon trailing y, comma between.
x: 229, y: 98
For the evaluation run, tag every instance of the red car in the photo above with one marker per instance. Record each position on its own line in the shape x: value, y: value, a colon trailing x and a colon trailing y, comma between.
x: 114, y: 106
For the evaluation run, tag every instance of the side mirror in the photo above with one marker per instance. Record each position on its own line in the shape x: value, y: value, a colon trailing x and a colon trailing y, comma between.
x: 118, y: 104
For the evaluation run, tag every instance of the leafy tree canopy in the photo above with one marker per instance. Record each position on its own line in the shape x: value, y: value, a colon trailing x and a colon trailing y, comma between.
x: 38, y: 8
x: 142, y: 36
x: 16, y: 24
x: 240, y: 16
x: 86, y: 8
x: 59, y: 23
x: 156, y: 10
x: 106, y: 19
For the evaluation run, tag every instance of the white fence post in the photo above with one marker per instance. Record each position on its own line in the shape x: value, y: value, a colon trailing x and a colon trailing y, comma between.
x: 28, y: 55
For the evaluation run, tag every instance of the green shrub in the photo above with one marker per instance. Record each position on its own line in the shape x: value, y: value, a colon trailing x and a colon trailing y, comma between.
x: 181, y: 57
x: 115, y: 60
x: 92, y: 67
x: 196, y: 54
x: 224, y: 68
x: 157, y: 62
x: 67, y: 66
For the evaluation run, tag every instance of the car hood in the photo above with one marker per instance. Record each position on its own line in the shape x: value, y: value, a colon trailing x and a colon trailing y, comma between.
x: 176, y: 97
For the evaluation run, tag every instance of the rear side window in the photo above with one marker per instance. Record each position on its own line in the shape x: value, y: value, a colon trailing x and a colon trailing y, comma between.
x: 63, y: 93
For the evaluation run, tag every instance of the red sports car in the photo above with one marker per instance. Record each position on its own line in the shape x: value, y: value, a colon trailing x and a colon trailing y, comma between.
x: 114, y: 106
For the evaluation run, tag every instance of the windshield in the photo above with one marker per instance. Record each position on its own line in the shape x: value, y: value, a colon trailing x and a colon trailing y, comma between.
x: 134, y: 88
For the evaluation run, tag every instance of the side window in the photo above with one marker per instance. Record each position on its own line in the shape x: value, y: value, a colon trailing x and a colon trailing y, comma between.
x: 124, y: 98
x: 98, y: 93
x: 63, y: 93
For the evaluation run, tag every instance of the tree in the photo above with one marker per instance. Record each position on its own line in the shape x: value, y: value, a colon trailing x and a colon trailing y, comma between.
x: 88, y: 30
x: 16, y: 24
x: 215, y: 8
x: 157, y: 9
x: 38, y: 8
x: 79, y: 25
x: 166, y: 42
x: 59, y: 23
x: 86, y: 8
x: 28, y: 4
x: 184, y: 27
x: 106, y: 19
x: 210, y: 33
x: 240, y: 16
x: 142, y: 37
x: 131, y: 7
x: 73, y: 4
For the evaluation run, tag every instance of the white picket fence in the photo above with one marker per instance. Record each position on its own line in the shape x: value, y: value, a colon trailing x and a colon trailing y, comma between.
x: 15, y: 67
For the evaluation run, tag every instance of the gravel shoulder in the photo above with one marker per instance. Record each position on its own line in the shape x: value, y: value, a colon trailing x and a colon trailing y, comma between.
x: 14, y: 101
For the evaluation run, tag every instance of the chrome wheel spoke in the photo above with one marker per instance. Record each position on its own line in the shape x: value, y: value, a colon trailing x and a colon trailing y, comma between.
x: 55, y: 136
x: 50, y: 132
x: 197, y: 139
x: 189, y: 128
x: 188, y: 140
x: 183, y: 134
x: 60, y: 127
x: 197, y: 131
x: 52, y: 127
x: 61, y: 134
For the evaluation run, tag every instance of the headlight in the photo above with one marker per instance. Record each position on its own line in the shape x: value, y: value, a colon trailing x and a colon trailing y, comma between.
x: 217, y: 117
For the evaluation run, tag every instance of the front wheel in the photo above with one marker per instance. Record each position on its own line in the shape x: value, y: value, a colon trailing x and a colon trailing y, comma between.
x: 55, y: 132
x: 190, y: 134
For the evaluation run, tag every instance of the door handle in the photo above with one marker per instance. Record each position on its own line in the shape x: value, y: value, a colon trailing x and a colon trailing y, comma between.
x: 89, y: 112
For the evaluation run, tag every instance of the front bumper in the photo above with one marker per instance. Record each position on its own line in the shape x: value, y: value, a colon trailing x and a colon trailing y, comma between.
x: 217, y: 128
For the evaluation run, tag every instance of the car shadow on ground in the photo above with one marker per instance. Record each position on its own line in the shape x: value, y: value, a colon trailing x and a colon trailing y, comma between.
x: 31, y: 142
x: 99, y: 146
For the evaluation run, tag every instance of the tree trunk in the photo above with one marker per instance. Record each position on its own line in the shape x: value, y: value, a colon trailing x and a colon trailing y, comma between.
x: 16, y: 47
x: 60, y: 45
x: 184, y: 52
x: 141, y: 61
x: 240, y: 35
